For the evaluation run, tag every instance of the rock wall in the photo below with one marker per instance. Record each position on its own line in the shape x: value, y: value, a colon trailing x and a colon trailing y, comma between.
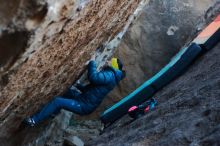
x: 56, y: 54
x: 15, y: 15
x: 187, y: 114
x: 158, y: 34
x: 188, y: 109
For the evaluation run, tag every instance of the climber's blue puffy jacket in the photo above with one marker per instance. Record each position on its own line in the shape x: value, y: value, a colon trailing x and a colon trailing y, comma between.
x: 101, y: 83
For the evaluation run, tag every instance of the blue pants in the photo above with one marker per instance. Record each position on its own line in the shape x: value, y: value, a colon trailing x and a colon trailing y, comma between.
x: 68, y: 102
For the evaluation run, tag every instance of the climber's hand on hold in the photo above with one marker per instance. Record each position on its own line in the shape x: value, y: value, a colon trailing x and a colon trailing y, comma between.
x: 93, y: 57
x: 87, y: 63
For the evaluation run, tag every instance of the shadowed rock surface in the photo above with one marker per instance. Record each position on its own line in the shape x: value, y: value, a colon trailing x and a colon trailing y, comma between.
x: 148, y: 45
x: 188, y: 112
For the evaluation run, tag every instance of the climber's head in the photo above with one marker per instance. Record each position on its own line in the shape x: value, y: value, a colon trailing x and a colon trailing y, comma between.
x: 116, y: 63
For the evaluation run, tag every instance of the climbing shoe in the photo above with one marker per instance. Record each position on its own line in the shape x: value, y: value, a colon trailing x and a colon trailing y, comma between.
x: 137, y: 111
x: 29, y: 122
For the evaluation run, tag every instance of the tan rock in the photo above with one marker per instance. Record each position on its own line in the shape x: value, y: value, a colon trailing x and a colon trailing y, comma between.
x: 56, y: 61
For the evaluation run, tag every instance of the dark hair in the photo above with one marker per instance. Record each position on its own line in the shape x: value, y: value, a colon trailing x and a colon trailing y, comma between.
x: 120, y: 65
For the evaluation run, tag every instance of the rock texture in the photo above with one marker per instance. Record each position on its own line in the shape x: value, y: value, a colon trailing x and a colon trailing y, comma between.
x: 153, y: 127
x: 55, y: 58
x: 149, y: 44
x: 162, y: 29
x: 15, y: 14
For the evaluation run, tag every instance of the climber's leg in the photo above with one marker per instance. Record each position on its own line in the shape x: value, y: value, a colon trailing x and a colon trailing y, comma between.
x: 72, y: 93
x: 55, y: 106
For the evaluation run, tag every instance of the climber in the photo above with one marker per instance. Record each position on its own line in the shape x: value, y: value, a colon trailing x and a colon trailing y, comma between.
x: 90, y: 97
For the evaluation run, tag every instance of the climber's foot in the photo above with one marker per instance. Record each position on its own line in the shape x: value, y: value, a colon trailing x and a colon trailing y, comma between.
x: 29, y: 122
